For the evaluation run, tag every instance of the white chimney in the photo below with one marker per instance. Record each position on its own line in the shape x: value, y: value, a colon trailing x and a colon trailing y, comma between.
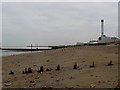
x: 102, y: 27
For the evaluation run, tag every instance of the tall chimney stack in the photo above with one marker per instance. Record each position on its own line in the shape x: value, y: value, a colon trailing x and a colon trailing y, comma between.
x: 102, y: 27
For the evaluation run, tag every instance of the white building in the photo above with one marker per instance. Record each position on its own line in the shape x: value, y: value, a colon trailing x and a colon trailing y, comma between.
x: 105, y: 39
x: 80, y: 44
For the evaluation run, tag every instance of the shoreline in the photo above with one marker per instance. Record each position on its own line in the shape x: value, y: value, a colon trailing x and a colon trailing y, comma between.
x: 101, y: 76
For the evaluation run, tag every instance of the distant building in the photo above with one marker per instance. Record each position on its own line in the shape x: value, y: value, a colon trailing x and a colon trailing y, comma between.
x: 80, y: 44
x: 105, y: 39
x: 93, y: 42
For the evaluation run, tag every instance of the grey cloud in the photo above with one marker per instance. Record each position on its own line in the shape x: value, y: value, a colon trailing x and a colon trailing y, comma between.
x: 56, y: 23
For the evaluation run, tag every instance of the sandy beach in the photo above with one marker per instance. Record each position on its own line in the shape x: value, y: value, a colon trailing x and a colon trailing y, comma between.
x: 100, y: 76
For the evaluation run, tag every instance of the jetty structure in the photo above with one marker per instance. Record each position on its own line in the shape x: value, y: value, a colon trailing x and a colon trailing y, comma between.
x: 23, y: 49
x: 102, y: 40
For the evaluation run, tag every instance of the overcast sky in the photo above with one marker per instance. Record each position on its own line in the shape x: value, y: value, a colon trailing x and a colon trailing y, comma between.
x: 53, y: 23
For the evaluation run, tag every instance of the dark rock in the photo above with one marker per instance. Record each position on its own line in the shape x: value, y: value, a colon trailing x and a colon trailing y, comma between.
x: 52, y: 77
x: 23, y: 72
x: 75, y: 66
x: 11, y: 73
x: 92, y: 66
x: 110, y: 63
x: 29, y: 70
x: 32, y: 81
x: 47, y: 69
x: 26, y: 70
x: 70, y: 77
x: 57, y: 80
x: 58, y: 67
x: 41, y: 69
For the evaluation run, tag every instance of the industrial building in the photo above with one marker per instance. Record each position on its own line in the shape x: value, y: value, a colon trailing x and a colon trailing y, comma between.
x: 103, y: 39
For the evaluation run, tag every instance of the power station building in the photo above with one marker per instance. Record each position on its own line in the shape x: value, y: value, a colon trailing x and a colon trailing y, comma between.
x: 105, y: 39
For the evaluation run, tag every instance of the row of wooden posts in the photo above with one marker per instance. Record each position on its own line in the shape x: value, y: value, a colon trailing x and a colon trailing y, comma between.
x: 41, y: 69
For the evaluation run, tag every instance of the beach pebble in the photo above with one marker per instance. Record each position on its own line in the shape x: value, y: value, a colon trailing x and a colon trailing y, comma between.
x: 7, y: 84
x: 32, y: 81
x: 91, y: 75
x: 37, y: 77
x: 78, y: 85
x: 57, y: 80
x: 43, y: 87
x: 70, y: 77
x: 32, y: 85
x: 47, y: 60
x: 52, y: 77
x: 58, y: 67
x: 11, y: 73
x: 92, y: 86
x: 34, y: 65
x: 47, y: 69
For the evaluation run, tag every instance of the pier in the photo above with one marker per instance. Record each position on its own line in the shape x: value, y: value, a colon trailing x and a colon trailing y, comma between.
x: 23, y: 49
x: 31, y: 48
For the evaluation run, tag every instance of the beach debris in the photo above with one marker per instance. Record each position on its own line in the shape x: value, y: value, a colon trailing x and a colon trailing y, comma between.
x: 75, y: 66
x: 110, y: 63
x: 39, y: 81
x: 47, y: 60
x: 78, y: 85
x: 11, y: 73
x: 50, y: 87
x: 23, y: 72
x: 43, y: 87
x: 32, y: 81
x: 92, y: 86
x: 71, y: 77
x: 58, y: 67
x: 56, y: 75
x: 71, y: 87
x: 52, y: 77
x: 41, y: 69
x: 34, y: 65
x: 47, y: 69
x: 7, y: 81
x: 29, y: 70
x: 37, y: 77
x: 57, y: 80
x: 7, y: 84
x: 26, y: 70
x: 32, y: 85
x: 92, y: 66
x: 118, y: 85
x: 91, y: 75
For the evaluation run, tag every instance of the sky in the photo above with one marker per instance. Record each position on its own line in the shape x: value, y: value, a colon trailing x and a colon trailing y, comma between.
x: 56, y: 23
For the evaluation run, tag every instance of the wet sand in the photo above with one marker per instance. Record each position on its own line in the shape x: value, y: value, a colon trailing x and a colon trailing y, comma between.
x: 100, y: 76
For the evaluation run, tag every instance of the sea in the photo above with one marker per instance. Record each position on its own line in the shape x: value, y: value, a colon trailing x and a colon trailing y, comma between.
x: 10, y: 52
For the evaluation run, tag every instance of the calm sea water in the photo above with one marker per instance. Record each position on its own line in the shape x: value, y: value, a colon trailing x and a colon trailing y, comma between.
x: 9, y: 52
